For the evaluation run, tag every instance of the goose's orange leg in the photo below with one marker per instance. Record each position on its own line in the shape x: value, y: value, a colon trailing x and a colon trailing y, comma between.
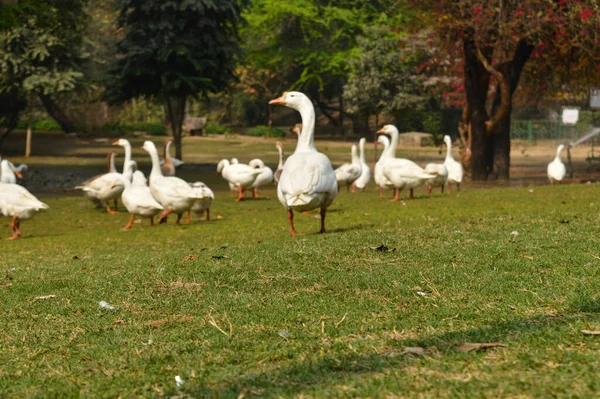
x: 188, y: 217
x: 207, y: 215
x: 241, y: 194
x: 449, y: 189
x: 14, y: 225
x: 380, y: 192
x: 164, y: 215
x: 396, y: 195
x: 110, y: 211
x: 353, y: 187
x: 130, y: 224
x: 323, y: 213
x: 290, y: 215
x: 428, y: 187
x: 255, y: 192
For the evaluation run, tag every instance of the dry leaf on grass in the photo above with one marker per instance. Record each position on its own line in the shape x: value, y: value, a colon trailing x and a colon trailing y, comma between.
x: 190, y: 257
x: 45, y: 297
x: 470, y: 347
x: 590, y: 332
x: 413, y: 350
x: 119, y: 322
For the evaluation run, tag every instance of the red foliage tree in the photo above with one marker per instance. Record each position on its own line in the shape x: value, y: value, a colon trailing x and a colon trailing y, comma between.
x: 495, y: 41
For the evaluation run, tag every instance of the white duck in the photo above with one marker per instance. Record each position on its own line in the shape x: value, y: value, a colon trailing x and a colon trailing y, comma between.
x: 138, y: 199
x: 556, y: 169
x: 380, y: 180
x: 103, y: 188
x: 238, y: 175
x: 203, y: 204
x: 232, y: 187
x: 440, y: 172
x: 173, y: 193
x: 307, y: 181
x: 365, y: 173
x: 262, y: 179
x: 455, y: 169
x: 8, y: 172
x: 277, y: 174
x: 19, y: 204
x: 402, y: 173
x: 349, y: 172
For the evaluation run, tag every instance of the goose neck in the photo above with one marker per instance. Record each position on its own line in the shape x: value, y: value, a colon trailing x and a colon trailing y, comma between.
x: 156, y: 172
x: 280, y: 156
x: 306, y: 140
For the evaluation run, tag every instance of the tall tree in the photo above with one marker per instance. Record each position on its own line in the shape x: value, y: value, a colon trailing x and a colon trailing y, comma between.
x: 381, y: 77
x: 41, y: 51
x: 174, y: 49
x: 497, y: 39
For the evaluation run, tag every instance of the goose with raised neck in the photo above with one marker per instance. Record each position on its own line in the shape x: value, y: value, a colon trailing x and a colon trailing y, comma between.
x: 380, y: 180
x: 349, y: 172
x: 277, y: 174
x: 455, y: 169
x: 556, y: 168
x: 307, y: 181
x: 365, y: 173
x: 138, y: 199
x: 173, y: 193
x: 167, y: 168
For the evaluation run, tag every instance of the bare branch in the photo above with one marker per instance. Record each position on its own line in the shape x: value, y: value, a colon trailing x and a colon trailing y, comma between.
x: 504, y: 107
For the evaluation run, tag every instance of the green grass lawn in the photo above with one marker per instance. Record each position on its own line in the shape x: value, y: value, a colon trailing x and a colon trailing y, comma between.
x: 238, y: 308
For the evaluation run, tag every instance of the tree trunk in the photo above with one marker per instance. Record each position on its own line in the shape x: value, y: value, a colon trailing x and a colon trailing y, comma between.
x: 176, y: 113
x: 56, y: 112
x: 29, y: 123
x: 477, y: 80
x: 501, y: 164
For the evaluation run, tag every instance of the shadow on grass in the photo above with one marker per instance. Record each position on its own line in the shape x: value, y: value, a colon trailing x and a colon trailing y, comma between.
x: 329, y: 371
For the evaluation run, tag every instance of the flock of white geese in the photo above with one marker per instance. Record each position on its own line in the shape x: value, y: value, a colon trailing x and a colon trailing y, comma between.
x: 306, y: 180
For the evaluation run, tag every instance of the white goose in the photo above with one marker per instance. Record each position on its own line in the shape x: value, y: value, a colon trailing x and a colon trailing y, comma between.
x: 349, y: 172
x: 168, y: 159
x: 262, y: 179
x: 238, y: 175
x: 307, y: 181
x: 365, y: 174
x: 556, y: 169
x: 440, y: 173
x: 455, y: 169
x: 203, y: 204
x: 8, y: 172
x: 103, y: 188
x: 138, y: 200
x: 402, y: 173
x: 380, y: 180
x: 112, y: 167
x: 232, y: 187
x: 277, y: 175
x: 19, y: 204
x: 173, y: 193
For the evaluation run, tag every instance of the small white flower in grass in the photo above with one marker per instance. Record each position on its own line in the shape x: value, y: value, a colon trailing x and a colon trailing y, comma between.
x: 179, y: 381
x: 514, y: 233
x: 106, y: 305
x: 421, y: 293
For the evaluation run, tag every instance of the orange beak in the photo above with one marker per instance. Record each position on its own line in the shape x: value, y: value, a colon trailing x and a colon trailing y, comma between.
x: 218, y: 173
x: 18, y: 175
x: 116, y: 142
x: 280, y: 100
x: 380, y: 131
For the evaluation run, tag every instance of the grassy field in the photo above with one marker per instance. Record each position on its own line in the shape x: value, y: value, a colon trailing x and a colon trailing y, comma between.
x: 237, y: 308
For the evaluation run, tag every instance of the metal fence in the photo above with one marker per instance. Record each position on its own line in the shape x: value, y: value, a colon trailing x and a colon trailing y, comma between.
x: 535, y: 129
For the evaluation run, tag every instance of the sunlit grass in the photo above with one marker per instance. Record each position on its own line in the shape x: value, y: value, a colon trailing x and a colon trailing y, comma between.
x: 235, y: 306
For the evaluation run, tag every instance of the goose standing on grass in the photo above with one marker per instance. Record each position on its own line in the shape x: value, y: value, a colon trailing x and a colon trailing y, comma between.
x: 203, y: 204
x: 307, y: 181
x: 167, y: 167
x: 402, y: 173
x: 556, y: 169
x: 262, y: 179
x: 18, y: 203
x: 349, y: 172
x: 277, y: 174
x: 365, y: 172
x: 455, y: 169
x: 232, y: 187
x: 138, y: 200
x: 103, y: 188
x: 441, y: 175
x: 380, y: 180
x: 8, y: 172
x: 173, y: 193
x: 238, y: 175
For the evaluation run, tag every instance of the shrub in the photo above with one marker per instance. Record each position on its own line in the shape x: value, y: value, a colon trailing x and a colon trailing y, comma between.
x: 217, y: 129
x: 46, y: 125
x: 266, y: 131
x: 153, y: 129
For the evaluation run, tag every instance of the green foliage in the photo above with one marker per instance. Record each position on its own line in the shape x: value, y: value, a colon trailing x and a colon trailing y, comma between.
x: 217, y: 129
x: 173, y: 48
x: 44, y: 125
x: 153, y: 129
x: 587, y: 119
x: 12, y: 103
x: 266, y: 131
x: 381, y: 80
